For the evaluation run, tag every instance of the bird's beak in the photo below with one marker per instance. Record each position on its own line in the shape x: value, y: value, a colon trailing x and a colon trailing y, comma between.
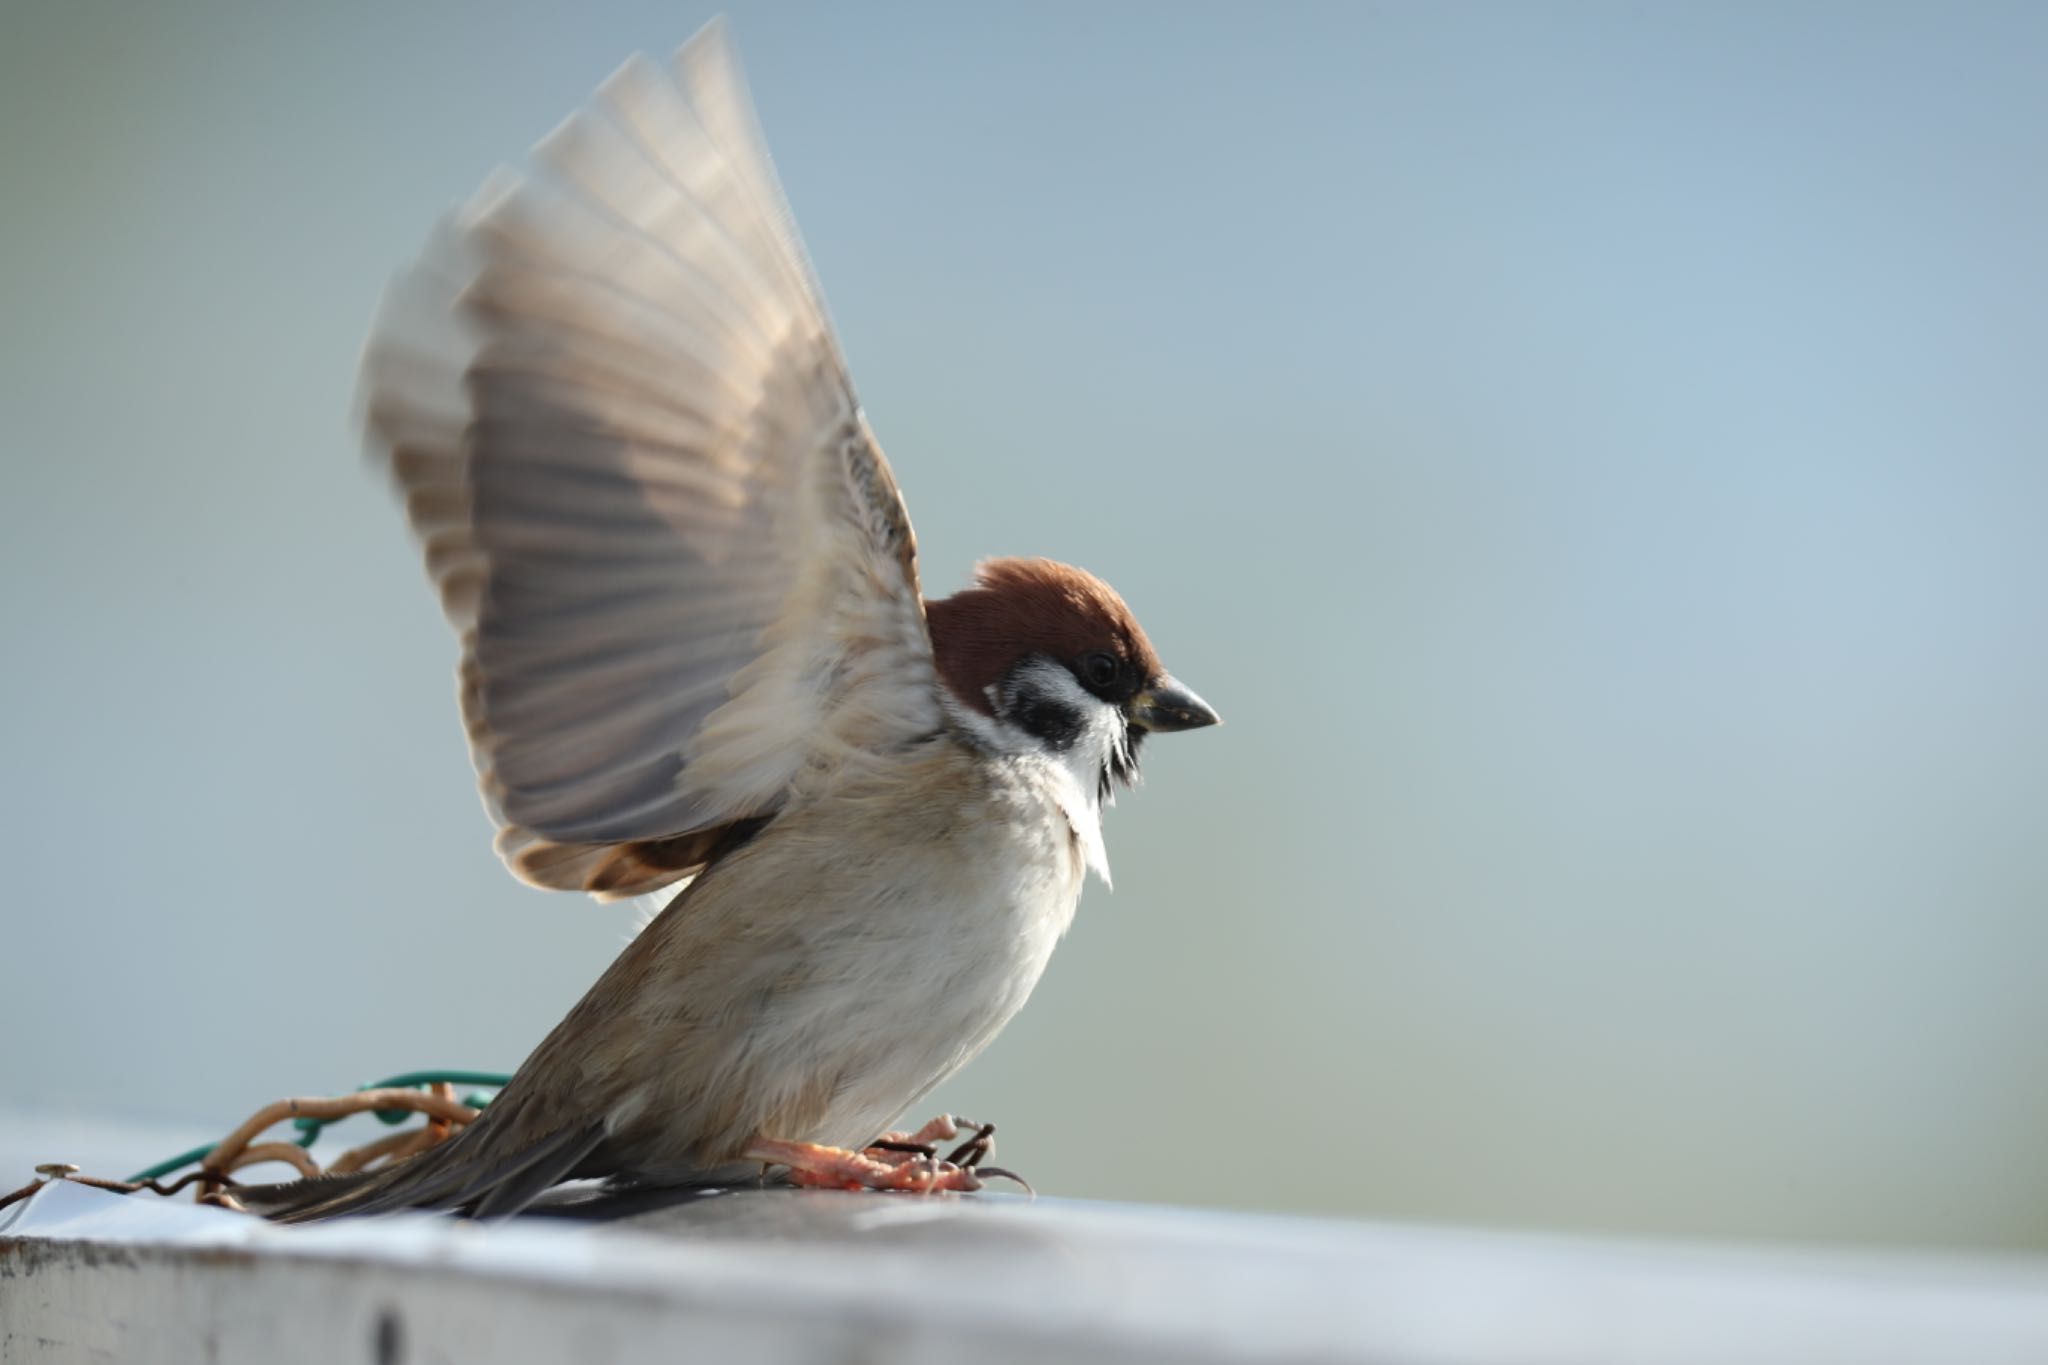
x: 1166, y: 705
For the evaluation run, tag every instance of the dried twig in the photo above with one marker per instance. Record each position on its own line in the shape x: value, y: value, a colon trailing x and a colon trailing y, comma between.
x: 290, y: 1152
x: 445, y: 1116
x: 223, y: 1157
x: 443, y: 1090
x: 396, y: 1147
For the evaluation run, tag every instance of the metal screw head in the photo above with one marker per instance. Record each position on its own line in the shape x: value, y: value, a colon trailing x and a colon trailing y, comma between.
x: 56, y: 1170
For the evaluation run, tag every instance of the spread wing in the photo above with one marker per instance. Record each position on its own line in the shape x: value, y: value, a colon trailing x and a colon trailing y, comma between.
x: 680, y: 566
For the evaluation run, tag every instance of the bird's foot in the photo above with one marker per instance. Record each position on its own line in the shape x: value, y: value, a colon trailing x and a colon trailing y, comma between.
x: 817, y: 1166
x: 925, y: 1142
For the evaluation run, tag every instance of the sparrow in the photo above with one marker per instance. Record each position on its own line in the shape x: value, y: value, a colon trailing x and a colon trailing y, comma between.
x: 697, y: 661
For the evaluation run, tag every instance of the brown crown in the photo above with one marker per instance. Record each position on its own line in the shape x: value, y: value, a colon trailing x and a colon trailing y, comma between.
x: 1025, y: 606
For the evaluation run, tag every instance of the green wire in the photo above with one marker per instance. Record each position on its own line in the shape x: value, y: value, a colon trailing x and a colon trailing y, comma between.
x: 166, y: 1167
x: 309, y: 1128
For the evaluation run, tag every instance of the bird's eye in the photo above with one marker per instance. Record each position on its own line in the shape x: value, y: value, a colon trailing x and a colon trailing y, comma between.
x: 1099, y: 668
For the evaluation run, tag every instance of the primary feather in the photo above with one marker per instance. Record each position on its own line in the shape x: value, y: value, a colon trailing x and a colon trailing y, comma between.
x: 679, y: 564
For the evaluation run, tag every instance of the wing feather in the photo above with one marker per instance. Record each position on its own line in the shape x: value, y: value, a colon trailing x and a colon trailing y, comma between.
x: 681, y: 570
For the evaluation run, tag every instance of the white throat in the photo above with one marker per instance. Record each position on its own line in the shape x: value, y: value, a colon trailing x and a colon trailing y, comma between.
x: 1072, y: 763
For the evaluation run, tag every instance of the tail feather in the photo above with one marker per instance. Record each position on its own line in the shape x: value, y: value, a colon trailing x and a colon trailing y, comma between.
x: 470, y: 1170
x: 545, y: 1164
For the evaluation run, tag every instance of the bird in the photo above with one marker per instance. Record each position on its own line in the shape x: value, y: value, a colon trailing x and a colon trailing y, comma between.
x: 697, y: 663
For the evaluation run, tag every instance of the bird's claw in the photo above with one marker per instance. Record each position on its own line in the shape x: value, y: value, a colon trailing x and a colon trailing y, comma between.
x: 998, y: 1172
x: 815, y: 1166
x: 976, y: 1149
x: 897, y: 1160
x: 925, y: 1141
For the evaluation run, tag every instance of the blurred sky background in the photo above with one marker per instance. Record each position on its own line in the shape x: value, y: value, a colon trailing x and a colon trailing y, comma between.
x: 1595, y: 456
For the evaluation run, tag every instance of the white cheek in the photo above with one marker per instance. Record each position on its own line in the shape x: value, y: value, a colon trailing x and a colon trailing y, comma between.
x: 1073, y: 776
x: 1081, y: 765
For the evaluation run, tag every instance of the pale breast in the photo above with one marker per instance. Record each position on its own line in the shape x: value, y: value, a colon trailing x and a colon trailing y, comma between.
x: 862, y: 949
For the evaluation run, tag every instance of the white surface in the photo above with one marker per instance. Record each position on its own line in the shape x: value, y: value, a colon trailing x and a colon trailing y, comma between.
x: 788, y: 1276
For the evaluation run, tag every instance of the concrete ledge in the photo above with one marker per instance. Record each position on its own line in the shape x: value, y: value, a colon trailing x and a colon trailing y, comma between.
x: 775, y: 1276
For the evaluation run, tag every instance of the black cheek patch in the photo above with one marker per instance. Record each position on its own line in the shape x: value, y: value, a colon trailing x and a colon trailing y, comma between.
x: 1055, y: 722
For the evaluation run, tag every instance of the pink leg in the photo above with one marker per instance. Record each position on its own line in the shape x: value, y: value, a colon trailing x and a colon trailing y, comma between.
x: 944, y: 1128
x: 818, y: 1166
